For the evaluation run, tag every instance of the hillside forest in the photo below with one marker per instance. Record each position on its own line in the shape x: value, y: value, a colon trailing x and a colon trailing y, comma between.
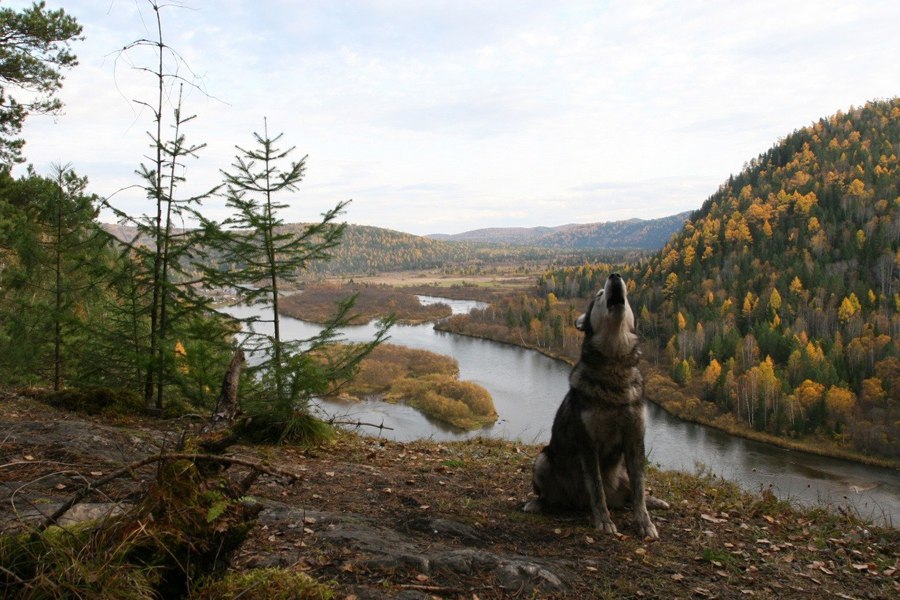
x: 776, y: 308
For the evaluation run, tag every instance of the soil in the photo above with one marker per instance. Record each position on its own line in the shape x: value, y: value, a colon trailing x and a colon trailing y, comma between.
x: 381, y: 519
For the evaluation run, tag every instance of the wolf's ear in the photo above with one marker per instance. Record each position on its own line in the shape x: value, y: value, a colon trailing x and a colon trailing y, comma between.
x: 579, y: 322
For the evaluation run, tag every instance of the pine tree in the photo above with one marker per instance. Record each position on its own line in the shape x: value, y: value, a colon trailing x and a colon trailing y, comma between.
x: 46, y: 283
x: 160, y: 251
x: 34, y: 48
x: 265, y: 254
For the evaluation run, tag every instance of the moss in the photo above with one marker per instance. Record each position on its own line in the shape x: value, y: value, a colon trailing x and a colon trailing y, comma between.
x: 265, y: 584
x: 186, y: 528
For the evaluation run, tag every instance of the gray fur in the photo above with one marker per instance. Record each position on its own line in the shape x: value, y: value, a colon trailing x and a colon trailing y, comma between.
x: 598, y: 431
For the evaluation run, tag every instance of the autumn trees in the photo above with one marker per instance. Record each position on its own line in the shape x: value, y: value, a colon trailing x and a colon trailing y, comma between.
x: 787, y: 281
x: 778, y: 304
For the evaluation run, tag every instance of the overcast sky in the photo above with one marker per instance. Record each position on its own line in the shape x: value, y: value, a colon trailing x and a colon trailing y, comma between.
x: 445, y: 116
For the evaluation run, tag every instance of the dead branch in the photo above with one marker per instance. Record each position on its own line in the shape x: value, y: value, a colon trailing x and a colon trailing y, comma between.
x: 360, y: 424
x: 226, y: 405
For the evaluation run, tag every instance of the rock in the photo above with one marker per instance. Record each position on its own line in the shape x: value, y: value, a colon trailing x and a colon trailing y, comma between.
x: 445, y: 528
x: 388, y: 550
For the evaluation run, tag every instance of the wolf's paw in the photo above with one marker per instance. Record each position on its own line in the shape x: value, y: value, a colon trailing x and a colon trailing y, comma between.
x: 646, y: 528
x: 606, y: 526
x: 656, y: 503
x: 533, y: 506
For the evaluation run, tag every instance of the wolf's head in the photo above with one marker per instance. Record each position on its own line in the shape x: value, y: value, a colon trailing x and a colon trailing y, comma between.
x: 608, y: 323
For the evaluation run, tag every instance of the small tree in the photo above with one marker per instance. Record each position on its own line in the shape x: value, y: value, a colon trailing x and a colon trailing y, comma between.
x: 262, y: 253
x: 46, y: 283
x: 161, y: 247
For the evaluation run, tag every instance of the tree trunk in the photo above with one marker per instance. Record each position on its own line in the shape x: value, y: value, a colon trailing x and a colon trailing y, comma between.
x: 217, y: 434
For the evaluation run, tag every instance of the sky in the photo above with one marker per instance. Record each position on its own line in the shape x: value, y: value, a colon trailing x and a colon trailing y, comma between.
x: 443, y: 116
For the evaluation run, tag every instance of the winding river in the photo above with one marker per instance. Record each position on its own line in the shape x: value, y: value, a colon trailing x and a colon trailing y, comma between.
x: 527, y: 387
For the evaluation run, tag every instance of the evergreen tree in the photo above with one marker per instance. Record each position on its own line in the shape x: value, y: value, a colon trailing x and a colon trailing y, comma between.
x: 160, y: 250
x: 46, y: 282
x: 34, y: 48
x: 264, y: 254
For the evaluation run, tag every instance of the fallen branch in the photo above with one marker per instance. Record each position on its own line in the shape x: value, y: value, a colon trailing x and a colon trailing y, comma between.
x: 360, y: 424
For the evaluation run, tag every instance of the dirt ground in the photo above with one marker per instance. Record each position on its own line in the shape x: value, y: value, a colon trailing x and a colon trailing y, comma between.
x: 380, y: 519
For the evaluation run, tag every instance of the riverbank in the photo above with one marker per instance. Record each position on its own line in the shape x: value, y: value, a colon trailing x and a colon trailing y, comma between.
x: 658, y: 389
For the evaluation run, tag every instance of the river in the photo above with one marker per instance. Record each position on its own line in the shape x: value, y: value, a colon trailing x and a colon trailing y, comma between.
x: 527, y: 387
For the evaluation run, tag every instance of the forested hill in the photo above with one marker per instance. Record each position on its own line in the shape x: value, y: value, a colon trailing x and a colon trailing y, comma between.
x: 779, y: 301
x: 649, y: 234
x: 368, y: 250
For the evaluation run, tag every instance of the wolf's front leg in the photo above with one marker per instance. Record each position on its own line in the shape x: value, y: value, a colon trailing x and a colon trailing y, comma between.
x: 600, y: 519
x: 634, y: 463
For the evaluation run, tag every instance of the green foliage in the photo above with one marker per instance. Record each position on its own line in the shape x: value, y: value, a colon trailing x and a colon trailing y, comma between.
x: 159, y: 290
x: 47, y: 287
x: 34, y: 49
x: 62, y: 563
x: 261, y: 256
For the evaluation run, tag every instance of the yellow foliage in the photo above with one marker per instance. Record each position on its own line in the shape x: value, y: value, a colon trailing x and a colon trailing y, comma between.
x: 775, y: 300
x: 805, y: 202
x: 690, y: 255
x: 840, y: 403
x: 736, y: 230
x: 856, y: 188
x: 712, y: 373
x: 809, y: 393
x: 463, y: 404
x: 850, y: 306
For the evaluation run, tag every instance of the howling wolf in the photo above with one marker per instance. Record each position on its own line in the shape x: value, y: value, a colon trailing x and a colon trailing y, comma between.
x: 595, y: 458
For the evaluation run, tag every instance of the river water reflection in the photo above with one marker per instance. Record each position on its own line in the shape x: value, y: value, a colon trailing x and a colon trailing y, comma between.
x: 527, y: 387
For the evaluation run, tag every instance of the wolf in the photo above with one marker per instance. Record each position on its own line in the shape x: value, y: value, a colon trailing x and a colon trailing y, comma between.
x: 595, y: 458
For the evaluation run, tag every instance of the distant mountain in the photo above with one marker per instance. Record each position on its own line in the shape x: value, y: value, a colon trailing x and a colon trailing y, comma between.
x: 643, y: 234
x: 366, y: 250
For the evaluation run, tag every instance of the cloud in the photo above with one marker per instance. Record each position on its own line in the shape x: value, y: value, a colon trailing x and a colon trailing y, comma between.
x: 458, y: 115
